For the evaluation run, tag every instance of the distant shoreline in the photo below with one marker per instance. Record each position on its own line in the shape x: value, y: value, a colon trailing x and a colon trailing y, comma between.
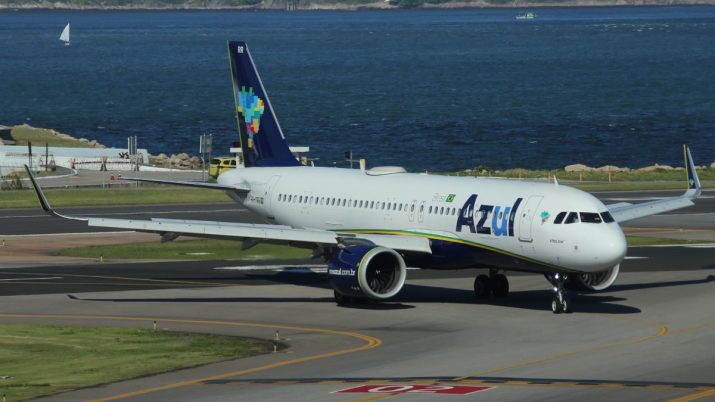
x: 306, y: 5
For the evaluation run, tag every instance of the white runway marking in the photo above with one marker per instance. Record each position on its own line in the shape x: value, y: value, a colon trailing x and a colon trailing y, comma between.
x: 628, y: 257
x: 621, y: 199
x: 702, y: 245
x: 318, y: 269
x: 30, y: 279
x: 287, y: 268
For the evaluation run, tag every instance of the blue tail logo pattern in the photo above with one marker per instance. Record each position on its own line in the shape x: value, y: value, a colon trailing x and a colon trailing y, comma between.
x: 252, y: 108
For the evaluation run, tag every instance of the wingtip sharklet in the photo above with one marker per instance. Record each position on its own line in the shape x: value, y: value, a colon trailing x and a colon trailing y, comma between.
x: 43, y: 200
x: 694, y: 189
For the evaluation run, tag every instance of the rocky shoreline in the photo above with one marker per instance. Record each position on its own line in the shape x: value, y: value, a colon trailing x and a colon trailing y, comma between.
x: 185, y: 161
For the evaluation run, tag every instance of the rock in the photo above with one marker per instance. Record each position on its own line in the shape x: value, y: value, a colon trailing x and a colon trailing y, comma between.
x: 578, y: 168
x: 712, y: 165
x: 611, y: 168
x: 84, y: 140
x: 183, y: 156
x: 655, y: 167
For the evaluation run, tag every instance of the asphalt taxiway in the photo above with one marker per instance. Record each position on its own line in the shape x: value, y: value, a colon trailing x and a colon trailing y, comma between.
x: 648, y: 337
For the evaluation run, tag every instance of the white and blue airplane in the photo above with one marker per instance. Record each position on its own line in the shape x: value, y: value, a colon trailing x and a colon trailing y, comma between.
x: 370, y: 224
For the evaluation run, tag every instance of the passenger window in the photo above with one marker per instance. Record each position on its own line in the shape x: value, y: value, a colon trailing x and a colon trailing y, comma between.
x: 590, y: 217
x: 441, y: 210
x: 559, y: 218
x: 607, y: 217
x: 572, y: 218
x: 412, y: 208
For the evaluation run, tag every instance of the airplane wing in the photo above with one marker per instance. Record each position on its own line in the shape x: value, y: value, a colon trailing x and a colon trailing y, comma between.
x: 213, y: 186
x: 169, y: 229
x: 623, y: 211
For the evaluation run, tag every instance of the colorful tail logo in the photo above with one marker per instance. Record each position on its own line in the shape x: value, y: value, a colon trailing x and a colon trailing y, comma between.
x: 252, y: 108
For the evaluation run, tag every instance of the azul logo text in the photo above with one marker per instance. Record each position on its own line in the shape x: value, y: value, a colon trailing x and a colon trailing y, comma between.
x: 500, y: 224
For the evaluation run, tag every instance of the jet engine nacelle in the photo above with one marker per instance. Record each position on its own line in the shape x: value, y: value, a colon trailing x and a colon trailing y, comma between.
x: 594, y: 281
x: 367, y: 271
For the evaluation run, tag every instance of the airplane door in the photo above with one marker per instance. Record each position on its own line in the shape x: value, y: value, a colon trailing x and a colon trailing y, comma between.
x: 412, y: 210
x: 421, y: 213
x: 270, y: 194
x: 527, y: 217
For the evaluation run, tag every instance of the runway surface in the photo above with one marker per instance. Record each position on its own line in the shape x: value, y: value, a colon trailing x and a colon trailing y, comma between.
x: 648, y: 337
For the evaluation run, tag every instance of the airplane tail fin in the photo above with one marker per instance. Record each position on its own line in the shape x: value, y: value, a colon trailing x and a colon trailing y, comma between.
x: 262, y: 140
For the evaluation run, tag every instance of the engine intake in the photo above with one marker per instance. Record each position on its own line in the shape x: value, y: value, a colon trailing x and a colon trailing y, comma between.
x: 594, y: 281
x: 367, y: 271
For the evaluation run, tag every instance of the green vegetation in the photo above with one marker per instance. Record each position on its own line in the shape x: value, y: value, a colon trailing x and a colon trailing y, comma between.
x: 188, y: 250
x: 657, y: 175
x: 114, y: 196
x: 44, y: 360
x: 658, y: 241
x: 39, y: 136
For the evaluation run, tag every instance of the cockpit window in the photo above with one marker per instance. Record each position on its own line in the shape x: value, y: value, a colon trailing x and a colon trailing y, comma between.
x: 571, y: 218
x: 590, y: 217
x: 559, y: 218
x: 607, y: 217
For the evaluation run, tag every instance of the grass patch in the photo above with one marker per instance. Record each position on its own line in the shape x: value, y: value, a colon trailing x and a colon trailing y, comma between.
x: 45, y: 360
x: 658, y: 241
x: 188, y: 250
x: 675, y: 175
x: 114, y: 196
x: 39, y: 136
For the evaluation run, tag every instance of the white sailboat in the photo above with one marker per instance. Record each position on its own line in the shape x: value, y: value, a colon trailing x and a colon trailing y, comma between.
x: 65, y: 36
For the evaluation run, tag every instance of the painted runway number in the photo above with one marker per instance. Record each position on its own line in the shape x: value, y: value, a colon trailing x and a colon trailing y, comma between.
x: 414, y: 389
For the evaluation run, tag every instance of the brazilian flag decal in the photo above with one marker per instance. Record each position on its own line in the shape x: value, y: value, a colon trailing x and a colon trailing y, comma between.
x: 450, y: 197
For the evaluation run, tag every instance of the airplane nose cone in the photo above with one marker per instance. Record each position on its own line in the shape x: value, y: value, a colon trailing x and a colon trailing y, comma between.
x: 614, y: 248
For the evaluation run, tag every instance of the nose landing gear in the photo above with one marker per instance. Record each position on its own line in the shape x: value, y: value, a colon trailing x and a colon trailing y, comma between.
x: 561, y: 303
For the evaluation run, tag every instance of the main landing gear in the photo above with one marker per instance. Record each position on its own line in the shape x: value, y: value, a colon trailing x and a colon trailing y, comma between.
x: 561, y: 302
x: 495, y: 284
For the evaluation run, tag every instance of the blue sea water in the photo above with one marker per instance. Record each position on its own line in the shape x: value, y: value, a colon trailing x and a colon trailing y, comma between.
x: 426, y: 89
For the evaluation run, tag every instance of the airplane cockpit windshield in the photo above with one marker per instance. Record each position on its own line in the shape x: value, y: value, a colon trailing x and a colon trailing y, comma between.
x: 567, y: 218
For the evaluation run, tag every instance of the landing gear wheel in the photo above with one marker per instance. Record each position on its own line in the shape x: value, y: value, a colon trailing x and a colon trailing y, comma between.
x: 500, y: 285
x: 482, y: 288
x: 561, y: 306
x: 566, y: 305
x: 556, y: 305
x: 561, y: 302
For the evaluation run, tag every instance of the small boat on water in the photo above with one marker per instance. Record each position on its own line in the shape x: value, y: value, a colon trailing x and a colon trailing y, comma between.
x: 65, y: 36
x: 526, y: 16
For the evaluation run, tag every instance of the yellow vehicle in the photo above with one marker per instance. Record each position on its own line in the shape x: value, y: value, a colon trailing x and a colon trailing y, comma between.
x: 221, y: 164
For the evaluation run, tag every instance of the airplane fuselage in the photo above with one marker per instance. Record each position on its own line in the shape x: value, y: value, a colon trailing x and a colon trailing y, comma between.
x: 471, y: 222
